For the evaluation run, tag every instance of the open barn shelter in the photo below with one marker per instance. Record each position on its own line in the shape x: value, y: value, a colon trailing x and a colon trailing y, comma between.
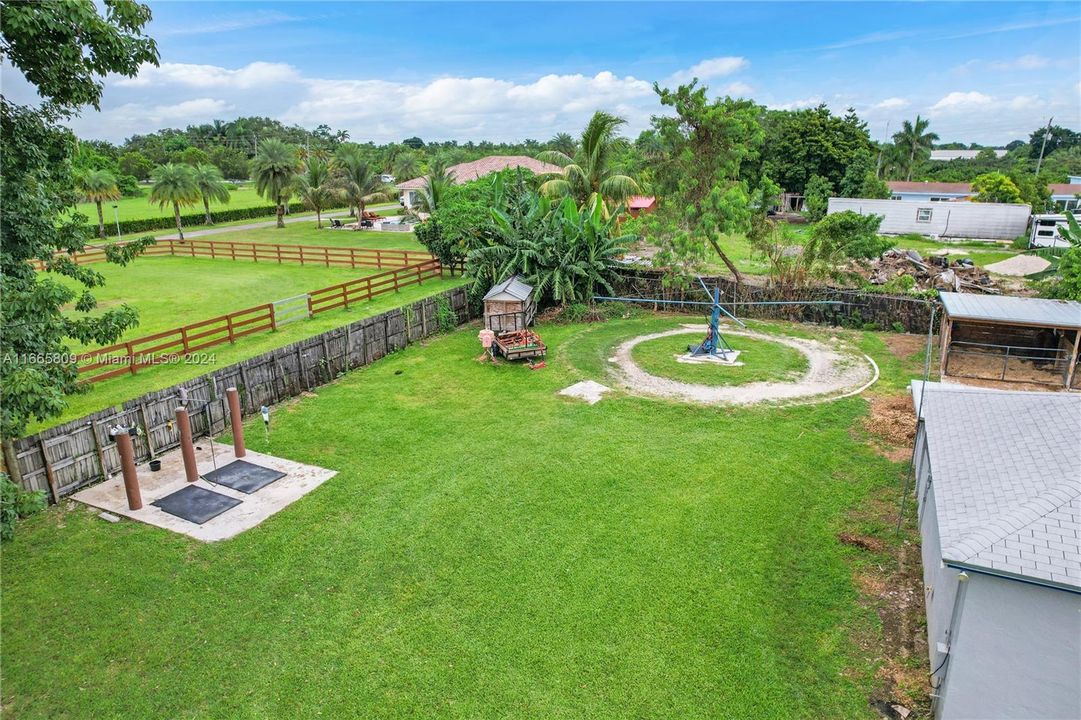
x: 1012, y: 339
x: 509, y: 306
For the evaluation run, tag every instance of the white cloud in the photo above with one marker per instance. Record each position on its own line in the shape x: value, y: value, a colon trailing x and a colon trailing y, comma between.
x: 256, y: 74
x: 893, y: 103
x: 736, y: 89
x: 229, y: 23
x: 709, y: 69
x: 956, y: 102
x: 809, y: 102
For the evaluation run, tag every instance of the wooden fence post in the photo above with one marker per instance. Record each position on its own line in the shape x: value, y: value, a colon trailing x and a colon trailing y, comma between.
x: 53, y: 490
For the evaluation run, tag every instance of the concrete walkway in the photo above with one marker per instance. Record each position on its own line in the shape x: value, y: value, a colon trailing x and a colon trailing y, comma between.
x: 267, y: 223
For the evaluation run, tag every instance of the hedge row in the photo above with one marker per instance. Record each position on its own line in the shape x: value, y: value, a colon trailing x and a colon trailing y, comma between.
x: 168, y: 222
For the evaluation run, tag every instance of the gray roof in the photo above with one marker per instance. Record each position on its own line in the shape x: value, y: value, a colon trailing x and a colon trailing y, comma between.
x: 1006, y: 477
x: 1009, y: 309
x: 510, y: 289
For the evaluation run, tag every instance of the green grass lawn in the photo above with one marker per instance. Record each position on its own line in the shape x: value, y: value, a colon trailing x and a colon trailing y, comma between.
x: 173, y: 291
x: 487, y: 549
x: 762, y: 360
x: 306, y: 233
x: 138, y: 208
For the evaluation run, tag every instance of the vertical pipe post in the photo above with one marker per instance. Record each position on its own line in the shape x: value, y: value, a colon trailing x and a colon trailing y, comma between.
x: 127, y: 466
x: 187, y: 447
x: 236, y: 421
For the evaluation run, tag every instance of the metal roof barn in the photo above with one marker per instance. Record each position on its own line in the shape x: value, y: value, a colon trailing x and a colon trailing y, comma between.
x: 963, y: 220
x: 1009, y: 338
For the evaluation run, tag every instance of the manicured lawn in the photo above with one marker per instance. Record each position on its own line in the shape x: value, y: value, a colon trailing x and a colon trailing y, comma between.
x: 306, y: 233
x: 488, y: 549
x: 762, y: 361
x: 137, y: 208
x: 173, y: 291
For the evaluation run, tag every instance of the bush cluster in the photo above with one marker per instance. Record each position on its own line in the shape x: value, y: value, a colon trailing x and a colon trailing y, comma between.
x: 16, y: 503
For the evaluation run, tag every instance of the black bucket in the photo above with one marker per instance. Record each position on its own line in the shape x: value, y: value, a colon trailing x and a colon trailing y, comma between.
x: 155, y: 465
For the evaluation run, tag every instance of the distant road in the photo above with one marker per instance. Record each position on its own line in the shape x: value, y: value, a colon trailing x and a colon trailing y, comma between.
x: 267, y: 223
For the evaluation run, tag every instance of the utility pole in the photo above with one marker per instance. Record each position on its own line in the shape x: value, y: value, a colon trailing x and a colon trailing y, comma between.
x: 878, y: 165
x: 1043, y: 146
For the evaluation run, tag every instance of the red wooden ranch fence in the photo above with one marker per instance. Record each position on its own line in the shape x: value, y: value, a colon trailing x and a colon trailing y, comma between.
x: 266, y: 252
x: 127, y: 357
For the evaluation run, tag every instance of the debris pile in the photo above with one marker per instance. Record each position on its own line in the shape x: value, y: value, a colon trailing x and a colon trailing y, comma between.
x: 933, y: 273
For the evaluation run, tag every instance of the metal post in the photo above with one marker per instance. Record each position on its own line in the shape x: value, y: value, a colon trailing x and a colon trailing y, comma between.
x: 116, y: 214
x: 236, y: 421
x: 187, y: 447
x: 127, y: 466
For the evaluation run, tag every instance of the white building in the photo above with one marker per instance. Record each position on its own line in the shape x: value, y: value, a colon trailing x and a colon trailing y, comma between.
x: 948, y: 155
x: 960, y: 220
x: 998, y: 485
x: 928, y: 191
x: 1045, y: 231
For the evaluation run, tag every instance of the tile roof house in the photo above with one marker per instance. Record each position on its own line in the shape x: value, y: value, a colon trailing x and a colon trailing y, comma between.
x: 998, y: 486
x: 465, y: 172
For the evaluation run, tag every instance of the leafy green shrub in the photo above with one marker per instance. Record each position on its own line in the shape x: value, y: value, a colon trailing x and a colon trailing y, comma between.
x: 817, y: 197
x: 1020, y: 242
x: 899, y: 285
x: 16, y: 503
x: 575, y: 313
x: 854, y: 235
x: 445, y: 317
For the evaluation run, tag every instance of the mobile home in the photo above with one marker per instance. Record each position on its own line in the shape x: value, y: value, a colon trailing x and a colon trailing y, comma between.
x: 959, y: 220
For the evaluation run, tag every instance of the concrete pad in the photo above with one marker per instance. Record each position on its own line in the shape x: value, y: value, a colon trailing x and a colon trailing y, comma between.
x: 253, y: 509
x: 1019, y: 265
x: 723, y: 357
x: 586, y: 390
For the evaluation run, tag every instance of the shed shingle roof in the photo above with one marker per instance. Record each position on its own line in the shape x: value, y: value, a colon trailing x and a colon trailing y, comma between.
x: 1006, y: 476
x: 512, y: 288
x: 1011, y: 309
x: 465, y: 172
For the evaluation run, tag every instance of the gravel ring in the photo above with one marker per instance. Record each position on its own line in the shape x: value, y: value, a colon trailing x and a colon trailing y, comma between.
x: 832, y: 374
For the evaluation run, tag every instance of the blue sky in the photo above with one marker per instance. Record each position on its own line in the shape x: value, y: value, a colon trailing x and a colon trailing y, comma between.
x: 983, y: 72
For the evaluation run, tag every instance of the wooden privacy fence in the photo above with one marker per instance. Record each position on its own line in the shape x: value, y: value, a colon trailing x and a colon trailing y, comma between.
x: 265, y: 252
x: 127, y: 357
x: 63, y: 459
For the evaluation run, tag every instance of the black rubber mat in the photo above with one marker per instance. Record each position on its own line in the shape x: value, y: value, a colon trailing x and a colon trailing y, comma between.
x: 243, y: 476
x: 196, y: 504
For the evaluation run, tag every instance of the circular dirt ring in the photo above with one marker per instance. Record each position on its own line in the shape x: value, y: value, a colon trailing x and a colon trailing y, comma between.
x: 833, y: 373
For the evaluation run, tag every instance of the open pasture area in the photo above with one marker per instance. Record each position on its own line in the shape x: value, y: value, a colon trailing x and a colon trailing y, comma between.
x: 173, y: 291
x: 306, y: 233
x: 140, y: 208
x: 633, y: 558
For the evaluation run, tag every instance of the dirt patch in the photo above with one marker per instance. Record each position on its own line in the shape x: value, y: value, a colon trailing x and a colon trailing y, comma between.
x: 990, y: 366
x: 891, y: 423
x: 886, y: 569
x: 834, y: 371
x: 1019, y: 265
x: 905, y: 346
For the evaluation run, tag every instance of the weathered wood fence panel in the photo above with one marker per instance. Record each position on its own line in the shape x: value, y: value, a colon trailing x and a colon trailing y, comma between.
x: 63, y: 459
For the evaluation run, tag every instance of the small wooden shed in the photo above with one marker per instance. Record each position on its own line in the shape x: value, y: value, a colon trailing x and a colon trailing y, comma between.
x: 509, y: 306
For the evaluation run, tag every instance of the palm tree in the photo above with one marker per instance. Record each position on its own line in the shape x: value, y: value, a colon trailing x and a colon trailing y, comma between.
x: 174, y: 184
x: 436, y: 185
x: 360, y: 182
x: 915, y: 142
x: 315, y: 188
x: 405, y: 165
x: 98, y: 186
x: 212, y: 186
x: 564, y: 143
x: 590, y: 174
x: 273, y: 167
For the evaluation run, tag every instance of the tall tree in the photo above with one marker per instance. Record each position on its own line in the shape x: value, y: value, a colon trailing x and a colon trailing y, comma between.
x: 564, y: 143
x: 64, y: 49
x: 813, y: 141
x: 591, y: 174
x: 98, y: 186
x: 914, y: 142
x: 708, y: 145
x: 273, y: 168
x: 212, y: 186
x: 174, y: 184
x: 360, y: 182
x: 314, y: 187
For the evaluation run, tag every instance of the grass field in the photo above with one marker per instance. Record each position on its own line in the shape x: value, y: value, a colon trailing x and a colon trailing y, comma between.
x: 635, y: 558
x: 306, y: 233
x: 762, y: 361
x: 173, y: 291
x: 138, y: 208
